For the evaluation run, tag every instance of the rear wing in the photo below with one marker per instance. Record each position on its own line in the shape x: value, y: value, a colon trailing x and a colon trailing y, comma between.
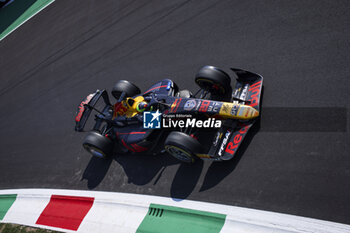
x: 87, y: 105
x: 248, y: 87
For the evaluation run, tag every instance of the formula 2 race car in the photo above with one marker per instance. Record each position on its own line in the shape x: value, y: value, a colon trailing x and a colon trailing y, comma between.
x: 132, y: 124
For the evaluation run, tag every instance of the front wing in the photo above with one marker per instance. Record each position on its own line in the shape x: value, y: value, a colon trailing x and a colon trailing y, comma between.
x: 230, y: 136
x: 86, y: 106
x: 227, y: 140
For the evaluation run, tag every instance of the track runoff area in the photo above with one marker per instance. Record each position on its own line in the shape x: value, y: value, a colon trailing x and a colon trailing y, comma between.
x: 17, y: 12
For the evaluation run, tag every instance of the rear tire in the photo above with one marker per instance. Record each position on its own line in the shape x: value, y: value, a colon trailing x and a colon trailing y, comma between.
x: 213, y: 79
x: 182, y: 146
x: 98, y: 145
x: 125, y: 86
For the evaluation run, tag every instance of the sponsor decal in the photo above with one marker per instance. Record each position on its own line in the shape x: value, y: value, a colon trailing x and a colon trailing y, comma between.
x: 204, y: 106
x: 225, y: 108
x: 151, y: 120
x: 234, y: 110
x: 255, y: 92
x: 244, y: 92
x: 189, y: 105
x: 214, y: 107
x: 247, y: 112
x: 235, y: 94
x: 232, y: 146
x: 81, y: 107
x: 241, y: 112
x: 217, y: 137
x: 175, y: 105
x: 120, y: 108
x: 224, y: 142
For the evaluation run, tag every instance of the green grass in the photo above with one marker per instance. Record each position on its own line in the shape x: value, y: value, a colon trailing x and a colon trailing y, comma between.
x: 14, y: 228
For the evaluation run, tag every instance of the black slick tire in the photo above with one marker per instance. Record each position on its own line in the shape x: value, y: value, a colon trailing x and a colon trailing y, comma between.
x: 129, y: 88
x: 213, y: 79
x: 182, y: 146
x: 98, y: 145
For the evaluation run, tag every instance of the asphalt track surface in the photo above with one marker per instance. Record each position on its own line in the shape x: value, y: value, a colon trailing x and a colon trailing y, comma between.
x: 296, y: 162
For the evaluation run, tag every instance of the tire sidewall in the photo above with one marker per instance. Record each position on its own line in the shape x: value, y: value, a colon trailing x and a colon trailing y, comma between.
x: 98, y: 142
x: 213, y: 76
x: 184, y: 142
x: 125, y: 86
x: 190, y: 158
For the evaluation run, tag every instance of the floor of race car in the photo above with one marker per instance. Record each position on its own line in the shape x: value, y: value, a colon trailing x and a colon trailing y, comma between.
x: 296, y: 162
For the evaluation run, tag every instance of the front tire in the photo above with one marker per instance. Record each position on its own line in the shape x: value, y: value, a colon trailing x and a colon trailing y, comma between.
x: 129, y: 88
x: 182, y: 146
x: 213, y: 79
x: 98, y: 145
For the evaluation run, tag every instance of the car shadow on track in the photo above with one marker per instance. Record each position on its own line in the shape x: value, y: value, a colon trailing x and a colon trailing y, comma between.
x: 141, y: 169
x: 185, y: 180
x: 217, y: 171
x: 96, y: 171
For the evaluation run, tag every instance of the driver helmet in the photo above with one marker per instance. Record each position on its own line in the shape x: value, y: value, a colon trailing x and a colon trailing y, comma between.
x: 141, y: 106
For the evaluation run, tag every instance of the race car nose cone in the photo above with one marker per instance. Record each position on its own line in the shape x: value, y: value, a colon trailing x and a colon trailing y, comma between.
x: 255, y: 113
